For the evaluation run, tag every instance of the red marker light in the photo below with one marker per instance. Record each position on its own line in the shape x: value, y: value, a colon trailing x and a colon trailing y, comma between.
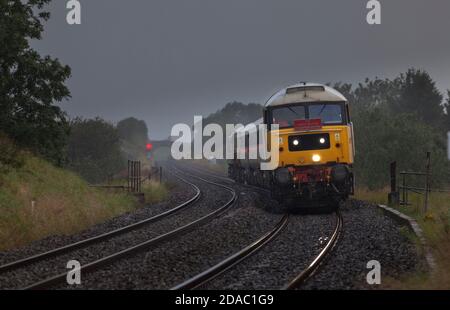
x: 149, y: 146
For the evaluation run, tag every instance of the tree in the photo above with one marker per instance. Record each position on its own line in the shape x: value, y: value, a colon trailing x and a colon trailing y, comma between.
x: 133, y: 131
x: 447, y: 114
x: 30, y: 85
x: 94, y: 149
x: 393, y: 123
x: 419, y: 95
x: 382, y: 137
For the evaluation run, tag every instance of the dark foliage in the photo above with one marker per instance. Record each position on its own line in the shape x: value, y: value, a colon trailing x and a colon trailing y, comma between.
x: 10, y: 156
x: 94, y: 150
x: 133, y: 131
x: 397, y: 120
x: 30, y: 85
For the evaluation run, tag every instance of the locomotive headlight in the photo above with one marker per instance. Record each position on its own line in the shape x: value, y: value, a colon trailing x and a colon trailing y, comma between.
x: 295, y: 142
x: 322, y: 141
x: 316, y: 158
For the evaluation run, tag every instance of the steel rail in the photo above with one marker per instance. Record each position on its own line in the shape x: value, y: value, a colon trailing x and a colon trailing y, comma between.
x: 316, y: 263
x: 95, y: 265
x: 232, y: 260
x: 227, y: 179
x: 303, y: 276
x: 83, y: 243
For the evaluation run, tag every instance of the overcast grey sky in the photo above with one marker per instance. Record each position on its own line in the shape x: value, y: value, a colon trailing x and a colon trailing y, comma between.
x: 165, y: 60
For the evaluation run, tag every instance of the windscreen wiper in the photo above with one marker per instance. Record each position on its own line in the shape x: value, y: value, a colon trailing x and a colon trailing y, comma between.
x: 293, y: 111
x: 323, y: 108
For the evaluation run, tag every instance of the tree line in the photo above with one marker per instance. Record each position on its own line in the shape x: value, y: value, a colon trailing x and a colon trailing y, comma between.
x: 396, y: 119
x: 399, y: 120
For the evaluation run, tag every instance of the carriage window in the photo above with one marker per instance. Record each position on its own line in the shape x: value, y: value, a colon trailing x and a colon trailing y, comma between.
x: 286, y: 116
x: 328, y: 113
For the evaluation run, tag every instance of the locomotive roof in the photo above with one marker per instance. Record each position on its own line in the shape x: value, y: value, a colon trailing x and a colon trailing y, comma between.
x: 305, y: 92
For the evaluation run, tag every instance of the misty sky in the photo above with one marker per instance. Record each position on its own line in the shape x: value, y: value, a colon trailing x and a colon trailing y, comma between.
x: 164, y: 60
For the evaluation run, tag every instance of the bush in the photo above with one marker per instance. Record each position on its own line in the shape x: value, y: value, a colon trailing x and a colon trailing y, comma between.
x: 10, y: 157
x: 383, y: 137
x: 94, y: 150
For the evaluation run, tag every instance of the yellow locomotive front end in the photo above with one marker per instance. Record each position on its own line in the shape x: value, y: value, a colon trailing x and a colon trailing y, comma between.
x: 316, y: 144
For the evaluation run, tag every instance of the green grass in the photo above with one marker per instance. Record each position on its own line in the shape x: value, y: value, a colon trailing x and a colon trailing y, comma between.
x: 155, y: 192
x: 38, y: 200
x: 435, y: 223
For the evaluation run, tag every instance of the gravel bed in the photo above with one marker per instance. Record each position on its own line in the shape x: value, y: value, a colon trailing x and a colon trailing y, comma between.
x: 368, y: 235
x: 185, y: 257
x: 212, y: 197
x: 278, y: 262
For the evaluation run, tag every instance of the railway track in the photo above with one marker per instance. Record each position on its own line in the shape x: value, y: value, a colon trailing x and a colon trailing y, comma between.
x: 201, y: 278
x: 234, y: 259
x: 238, y: 257
x: 320, y: 258
x: 83, y: 243
x: 95, y: 265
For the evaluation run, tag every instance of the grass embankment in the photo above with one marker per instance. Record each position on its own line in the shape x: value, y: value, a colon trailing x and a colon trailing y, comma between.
x: 38, y: 200
x: 436, y: 227
x: 155, y: 192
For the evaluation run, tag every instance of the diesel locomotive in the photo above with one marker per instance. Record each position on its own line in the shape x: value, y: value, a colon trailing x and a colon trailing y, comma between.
x: 316, y: 147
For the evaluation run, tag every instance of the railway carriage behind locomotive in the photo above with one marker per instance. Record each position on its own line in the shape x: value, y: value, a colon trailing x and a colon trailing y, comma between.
x: 316, y: 147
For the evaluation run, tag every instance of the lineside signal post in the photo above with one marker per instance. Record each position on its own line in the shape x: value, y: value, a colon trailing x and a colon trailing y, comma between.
x: 149, y: 148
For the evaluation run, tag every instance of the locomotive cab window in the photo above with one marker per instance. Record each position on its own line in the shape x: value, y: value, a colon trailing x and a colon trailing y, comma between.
x: 285, y: 117
x: 329, y: 113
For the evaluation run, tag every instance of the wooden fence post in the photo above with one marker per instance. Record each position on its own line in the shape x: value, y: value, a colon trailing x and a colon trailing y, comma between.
x: 393, y: 197
x: 427, y: 182
x: 128, y: 177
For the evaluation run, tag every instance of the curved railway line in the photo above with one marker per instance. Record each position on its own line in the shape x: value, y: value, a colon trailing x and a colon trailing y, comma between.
x: 198, y: 280
x: 94, y: 265
x: 240, y: 256
x: 83, y: 243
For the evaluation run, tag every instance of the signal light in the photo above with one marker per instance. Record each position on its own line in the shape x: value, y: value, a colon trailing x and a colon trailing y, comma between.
x: 149, y: 146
